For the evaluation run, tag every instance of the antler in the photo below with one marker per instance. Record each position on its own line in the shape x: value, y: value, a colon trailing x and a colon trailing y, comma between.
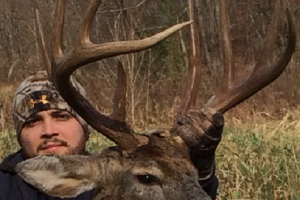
x: 61, y: 66
x: 263, y: 73
x: 119, y: 109
x: 194, y: 71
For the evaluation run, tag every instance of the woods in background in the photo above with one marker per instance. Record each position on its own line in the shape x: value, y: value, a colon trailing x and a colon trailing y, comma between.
x: 156, y: 76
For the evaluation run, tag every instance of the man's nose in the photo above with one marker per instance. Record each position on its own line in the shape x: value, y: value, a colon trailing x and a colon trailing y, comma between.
x: 49, y: 128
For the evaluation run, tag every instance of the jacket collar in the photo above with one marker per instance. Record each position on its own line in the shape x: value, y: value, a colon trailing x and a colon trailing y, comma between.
x: 9, y: 163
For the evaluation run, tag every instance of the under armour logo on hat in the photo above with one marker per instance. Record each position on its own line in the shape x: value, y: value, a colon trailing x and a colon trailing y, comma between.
x: 42, y: 100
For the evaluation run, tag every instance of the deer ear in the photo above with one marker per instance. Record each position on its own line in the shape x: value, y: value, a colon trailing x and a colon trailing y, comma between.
x: 61, y: 176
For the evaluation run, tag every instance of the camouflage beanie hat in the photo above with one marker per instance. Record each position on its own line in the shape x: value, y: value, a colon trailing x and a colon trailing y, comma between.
x: 36, y: 94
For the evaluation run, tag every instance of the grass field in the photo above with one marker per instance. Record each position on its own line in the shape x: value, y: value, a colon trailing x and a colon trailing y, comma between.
x: 260, y: 161
x: 257, y: 160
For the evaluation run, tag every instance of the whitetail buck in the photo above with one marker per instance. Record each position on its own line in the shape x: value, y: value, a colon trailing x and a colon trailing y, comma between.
x: 155, y: 166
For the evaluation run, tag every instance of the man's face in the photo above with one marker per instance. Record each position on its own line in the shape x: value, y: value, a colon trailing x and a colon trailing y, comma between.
x: 52, y: 132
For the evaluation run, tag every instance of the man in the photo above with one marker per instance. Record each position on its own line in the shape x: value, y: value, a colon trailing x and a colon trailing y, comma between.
x: 46, y: 125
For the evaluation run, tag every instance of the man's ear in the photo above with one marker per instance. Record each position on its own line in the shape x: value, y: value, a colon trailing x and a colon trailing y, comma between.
x: 60, y: 176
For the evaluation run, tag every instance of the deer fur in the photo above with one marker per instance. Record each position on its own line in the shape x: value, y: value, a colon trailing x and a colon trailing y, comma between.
x: 161, y: 170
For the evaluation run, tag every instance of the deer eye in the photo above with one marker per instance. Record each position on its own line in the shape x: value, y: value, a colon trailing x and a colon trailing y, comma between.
x: 147, y: 179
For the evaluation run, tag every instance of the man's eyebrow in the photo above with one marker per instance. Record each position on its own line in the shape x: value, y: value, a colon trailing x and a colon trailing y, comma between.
x: 57, y: 112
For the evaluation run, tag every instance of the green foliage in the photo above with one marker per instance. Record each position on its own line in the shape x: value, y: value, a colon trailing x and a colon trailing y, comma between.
x: 167, y: 59
x: 169, y: 62
x: 98, y: 142
x: 8, y: 143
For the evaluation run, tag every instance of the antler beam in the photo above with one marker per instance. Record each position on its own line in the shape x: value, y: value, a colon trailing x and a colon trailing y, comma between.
x: 61, y: 66
x: 263, y: 74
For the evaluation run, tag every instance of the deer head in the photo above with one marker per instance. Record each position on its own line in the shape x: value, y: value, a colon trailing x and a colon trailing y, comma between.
x: 154, y: 166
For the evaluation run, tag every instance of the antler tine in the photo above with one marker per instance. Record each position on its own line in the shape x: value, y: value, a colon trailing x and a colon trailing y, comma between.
x: 62, y: 66
x: 119, y: 110
x: 226, y: 47
x: 57, y: 32
x: 85, y: 30
x: 194, y: 72
x: 269, y: 42
x: 42, y: 43
x: 261, y: 76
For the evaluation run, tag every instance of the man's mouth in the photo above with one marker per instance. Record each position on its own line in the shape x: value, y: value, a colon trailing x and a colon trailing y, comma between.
x: 51, y: 146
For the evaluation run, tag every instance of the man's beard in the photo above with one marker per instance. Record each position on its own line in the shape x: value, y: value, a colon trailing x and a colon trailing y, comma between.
x: 79, y: 149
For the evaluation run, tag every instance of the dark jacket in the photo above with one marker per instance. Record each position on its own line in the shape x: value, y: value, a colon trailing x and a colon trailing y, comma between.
x: 12, y: 187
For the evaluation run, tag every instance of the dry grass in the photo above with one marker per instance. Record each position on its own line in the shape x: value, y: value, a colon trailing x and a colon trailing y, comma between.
x: 260, y: 160
x: 257, y: 160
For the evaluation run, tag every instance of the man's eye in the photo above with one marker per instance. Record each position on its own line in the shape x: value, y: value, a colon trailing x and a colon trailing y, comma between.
x: 31, y: 122
x: 63, y: 116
